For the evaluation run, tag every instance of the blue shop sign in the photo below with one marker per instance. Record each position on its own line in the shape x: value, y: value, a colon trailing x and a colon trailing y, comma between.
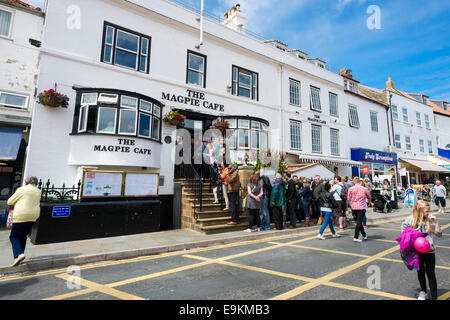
x: 365, y: 155
x: 61, y: 212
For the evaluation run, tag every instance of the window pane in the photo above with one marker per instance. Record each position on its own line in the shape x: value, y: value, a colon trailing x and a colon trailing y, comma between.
x: 89, y: 98
x: 195, y: 78
x: 315, y: 98
x: 144, y: 124
x: 82, y: 119
x: 196, y: 62
x: 109, y: 35
x: 108, y: 55
x: 294, y: 92
x: 255, y: 139
x: 129, y: 102
x: 13, y: 100
x: 255, y: 125
x: 244, y: 80
x: 334, y: 135
x: 106, y: 120
x: 234, y: 74
x: 263, y: 140
x: 144, y: 46
x: 232, y: 122
x: 244, y: 124
x: 353, y: 114
x: 155, y: 128
x: 394, y: 112
x: 143, y: 64
x: 374, y: 121
x: 333, y: 105
x: 243, y: 139
x: 5, y: 22
x: 127, y: 41
x: 127, y: 121
x: 145, y: 106
x: 296, y: 139
x: 125, y: 59
x: 231, y: 139
x: 156, y: 111
x: 244, y: 92
x: 316, y: 139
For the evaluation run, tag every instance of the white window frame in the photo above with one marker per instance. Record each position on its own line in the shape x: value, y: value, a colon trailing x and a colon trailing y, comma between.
x: 312, y: 138
x: 408, y: 143
x: 312, y: 88
x: 294, y: 92
x: 11, y: 22
x: 336, y: 144
x: 422, y: 145
x: 110, y: 45
x: 374, y: 121
x: 233, y: 137
x: 143, y: 110
x: 330, y: 94
x: 114, y: 98
x: 398, y: 142
x: 394, y: 113
x: 86, y: 107
x: 137, y: 53
x: 430, y: 147
x: 145, y: 55
x: 98, y: 120
x: 427, y: 121
x: 238, y: 139
x: 150, y: 131
x: 197, y: 71
x: 157, y: 118
x: 405, y: 114
x: 251, y: 139
x: 89, y: 94
x: 295, y: 130
x: 418, y: 119
x: 135, y: 122
x: 354, y: 117
x: 27, y: 98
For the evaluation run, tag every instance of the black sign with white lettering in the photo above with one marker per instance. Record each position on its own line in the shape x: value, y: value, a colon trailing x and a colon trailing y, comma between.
x: 193, y: 98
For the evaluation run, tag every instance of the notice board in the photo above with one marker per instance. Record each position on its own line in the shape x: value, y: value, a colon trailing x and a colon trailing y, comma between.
x: 99, y: 184
x: 102, y: 184
x: 139, y: 184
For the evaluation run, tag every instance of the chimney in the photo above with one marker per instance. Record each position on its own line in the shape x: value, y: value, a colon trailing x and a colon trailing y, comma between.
x: 235, y: 19
x: 389, y: 84
x: 346, y: 73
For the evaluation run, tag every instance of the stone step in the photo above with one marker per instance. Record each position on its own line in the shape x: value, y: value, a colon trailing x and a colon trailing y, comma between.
x: 208, y: 222
x: 220, y: 228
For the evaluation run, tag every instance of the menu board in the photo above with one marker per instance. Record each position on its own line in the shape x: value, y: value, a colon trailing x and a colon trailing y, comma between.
x: 139, y: 184
x: 102, y: 184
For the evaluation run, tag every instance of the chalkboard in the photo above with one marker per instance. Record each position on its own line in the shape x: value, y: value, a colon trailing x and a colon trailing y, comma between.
x: 139, y: 184
x: 102, y: 184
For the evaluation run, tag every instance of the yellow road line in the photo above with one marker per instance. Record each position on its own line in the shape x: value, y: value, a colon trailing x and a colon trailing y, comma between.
x: 445, y: 296
x: 331, y: 276
x: 368, y: 291
x: 101, y: 288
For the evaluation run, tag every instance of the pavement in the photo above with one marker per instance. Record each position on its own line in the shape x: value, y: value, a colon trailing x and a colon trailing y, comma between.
x: 62, y: 255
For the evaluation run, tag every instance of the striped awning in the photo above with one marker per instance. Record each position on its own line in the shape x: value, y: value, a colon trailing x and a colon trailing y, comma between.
x: 328, y: 161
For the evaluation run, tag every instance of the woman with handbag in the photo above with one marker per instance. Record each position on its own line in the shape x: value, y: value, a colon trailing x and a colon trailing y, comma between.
x: 26, y: 201
x: 254, y: 194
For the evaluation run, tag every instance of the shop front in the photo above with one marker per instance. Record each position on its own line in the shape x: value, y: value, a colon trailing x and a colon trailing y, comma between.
x: 422, y: 171
x: 376, y: 165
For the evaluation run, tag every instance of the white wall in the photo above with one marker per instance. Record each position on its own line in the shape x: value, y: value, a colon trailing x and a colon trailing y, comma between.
x: 18, y: 58
x: 442, y: 129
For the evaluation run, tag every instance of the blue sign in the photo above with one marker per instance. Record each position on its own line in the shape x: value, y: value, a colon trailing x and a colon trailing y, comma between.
x: 364, y: 155
x: 61, y: 212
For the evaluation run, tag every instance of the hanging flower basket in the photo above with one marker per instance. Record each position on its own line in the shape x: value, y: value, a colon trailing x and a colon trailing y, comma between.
x: 174, y: 118
x: 222, y: 126
x: 54, y: 99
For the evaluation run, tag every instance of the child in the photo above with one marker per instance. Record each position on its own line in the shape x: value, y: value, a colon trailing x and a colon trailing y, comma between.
x: 421, y: 220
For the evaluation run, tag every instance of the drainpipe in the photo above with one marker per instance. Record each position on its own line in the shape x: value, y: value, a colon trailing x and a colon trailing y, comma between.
x: 281, y: 111
x: 201, y: 25
x: 395, y: 204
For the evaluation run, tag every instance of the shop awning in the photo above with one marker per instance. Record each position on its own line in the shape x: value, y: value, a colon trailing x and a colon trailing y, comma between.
x: 425, y: 165
x: 10, y: 138
x: 328, y: 161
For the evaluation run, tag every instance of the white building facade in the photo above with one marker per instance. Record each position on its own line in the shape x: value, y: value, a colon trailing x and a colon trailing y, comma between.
x: 21, y: 28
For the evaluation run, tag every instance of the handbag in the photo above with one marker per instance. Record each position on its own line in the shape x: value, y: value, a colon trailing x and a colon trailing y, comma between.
x: 10, y: 220
x: 244, y: 202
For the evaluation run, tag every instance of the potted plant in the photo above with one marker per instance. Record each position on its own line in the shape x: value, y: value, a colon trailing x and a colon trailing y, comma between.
x: 173, y: 117
x: 53, y: 99
x: 222, y: 126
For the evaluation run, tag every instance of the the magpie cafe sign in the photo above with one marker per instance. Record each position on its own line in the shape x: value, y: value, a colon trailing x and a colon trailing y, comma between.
x: 124, y: 146
x: 193, y: 98
x: 114, y: 151
x: 317, y: 119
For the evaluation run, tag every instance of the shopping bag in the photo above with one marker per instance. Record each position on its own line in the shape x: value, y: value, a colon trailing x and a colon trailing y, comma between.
x: 10, y: 221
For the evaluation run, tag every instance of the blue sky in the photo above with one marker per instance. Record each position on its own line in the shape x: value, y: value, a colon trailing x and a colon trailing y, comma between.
x: 412, y: 46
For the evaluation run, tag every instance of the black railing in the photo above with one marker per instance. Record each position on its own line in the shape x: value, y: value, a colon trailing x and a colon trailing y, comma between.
x: 63, y: 194
x: 195, y: 184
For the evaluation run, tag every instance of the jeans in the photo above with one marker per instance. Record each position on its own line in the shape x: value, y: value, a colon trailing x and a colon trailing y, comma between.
x: 18, y: 237
x: 213, y: 174
x: 427, y: 262
x: 306, y: 208
x: 316, y: 208
x: 233, y: 196
x: 327, y: 221
x: 364, y: 222
x: 264, y: 216
x: 291, y: 209
x: 359, y: 223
